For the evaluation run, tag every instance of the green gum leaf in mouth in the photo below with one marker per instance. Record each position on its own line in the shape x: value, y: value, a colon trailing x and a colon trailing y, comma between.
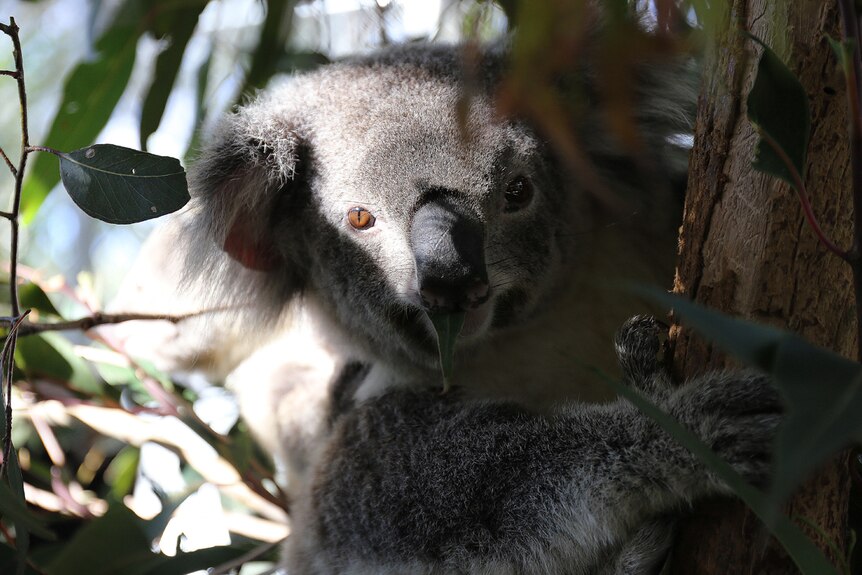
x: 447, y: 326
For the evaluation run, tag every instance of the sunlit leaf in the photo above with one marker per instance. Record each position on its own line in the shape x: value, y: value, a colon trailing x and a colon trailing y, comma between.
x: 90, y: 94
x: 447, y: 326
x: 121, y: 472
x: 123, y: 186
x: 778, y: 106
x: 823, y: 389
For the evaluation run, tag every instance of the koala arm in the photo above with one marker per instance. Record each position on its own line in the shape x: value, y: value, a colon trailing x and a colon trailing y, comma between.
x: 414, y: 482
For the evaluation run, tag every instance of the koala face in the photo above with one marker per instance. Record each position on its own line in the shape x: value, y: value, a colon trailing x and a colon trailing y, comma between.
x: 385, y: 204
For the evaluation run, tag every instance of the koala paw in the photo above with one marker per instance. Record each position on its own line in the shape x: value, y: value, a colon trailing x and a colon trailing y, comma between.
x: 735, y: 413
x: 637, y: 345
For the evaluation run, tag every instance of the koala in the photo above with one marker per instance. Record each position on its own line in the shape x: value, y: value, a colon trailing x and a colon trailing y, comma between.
x: 341, y: 208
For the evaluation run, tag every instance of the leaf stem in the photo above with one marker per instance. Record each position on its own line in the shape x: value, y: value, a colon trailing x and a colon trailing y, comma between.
x: 44, y: 149
x: 853, y: 72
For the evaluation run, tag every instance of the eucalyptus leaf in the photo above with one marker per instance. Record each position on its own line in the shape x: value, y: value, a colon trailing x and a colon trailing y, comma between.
x: 50, y: 355
x: 121, y: 542
x: 447, y: 326
x: 271, y: 47
x: 180, y: 23
x: 22, y: 527
x: 9, y: 562
x: 801, y: 549
x: 123, y: 186
x: 778, y: 106
x: 92, y: 90
x: 31, y: 296
x: 13, y: 508
x: 823, y: 390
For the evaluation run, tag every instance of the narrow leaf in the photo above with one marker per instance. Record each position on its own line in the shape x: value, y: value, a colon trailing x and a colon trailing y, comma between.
x: 823, y: 390
x: 778, y: 106
x: 801, y: 549
x: 90, y: 94
x: 13, y: 509
x: 182, y: 24
x: 447, y: 326
x: 123, y: 186
x: 272, y: 43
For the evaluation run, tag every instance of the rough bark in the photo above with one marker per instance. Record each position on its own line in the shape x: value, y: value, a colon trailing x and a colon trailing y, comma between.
x: 746, y: 249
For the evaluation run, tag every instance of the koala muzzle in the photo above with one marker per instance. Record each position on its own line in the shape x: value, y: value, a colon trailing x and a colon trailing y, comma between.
x: 449, y: 250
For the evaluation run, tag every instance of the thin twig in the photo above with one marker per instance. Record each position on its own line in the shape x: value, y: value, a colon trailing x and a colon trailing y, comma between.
x: 43, y: 149
x: 9, y: 163
x: 97, y: 319
x: 802, y: 192
x: 6, y: 363
x: 853, y: 71
x: 11, y: 73
x: 7, y: 356
x: 12, y: 31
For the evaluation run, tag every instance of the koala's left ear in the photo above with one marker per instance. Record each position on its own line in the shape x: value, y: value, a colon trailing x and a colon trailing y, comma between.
x: 236, y: 182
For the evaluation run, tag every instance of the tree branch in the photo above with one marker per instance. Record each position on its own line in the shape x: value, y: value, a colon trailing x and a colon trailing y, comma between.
x: 97, y: 319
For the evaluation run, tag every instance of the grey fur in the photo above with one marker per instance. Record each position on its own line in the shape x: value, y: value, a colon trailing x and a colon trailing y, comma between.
x: 514, y: 472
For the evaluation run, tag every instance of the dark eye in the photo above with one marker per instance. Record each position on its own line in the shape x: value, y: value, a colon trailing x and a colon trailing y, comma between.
x: 360, y: 218
x: 519, y: 192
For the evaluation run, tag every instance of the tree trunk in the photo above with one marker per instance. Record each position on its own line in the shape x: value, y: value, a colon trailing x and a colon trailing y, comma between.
x: 745, y: 249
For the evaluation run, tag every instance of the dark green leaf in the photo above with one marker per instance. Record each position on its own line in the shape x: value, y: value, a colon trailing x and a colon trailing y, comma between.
x: 202, y: 74
x: 778, y: 106
x: 801, y: 549
x: 90, y: 94
x: 51, y: 356
x: 113, y: 543
x: 123, y: 186
x: 182, y: 24
x: 202, y: 559
x: 9, y: 562
x: 273, y: 40
x: 447, y: 326
x: 22, y: 527
x: 32, y: 296
x: 823, y: 390
x: 13, y: 508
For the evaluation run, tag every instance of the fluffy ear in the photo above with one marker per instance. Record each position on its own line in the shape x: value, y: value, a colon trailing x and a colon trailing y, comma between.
x: 238, y: 179
x: 248, y: 168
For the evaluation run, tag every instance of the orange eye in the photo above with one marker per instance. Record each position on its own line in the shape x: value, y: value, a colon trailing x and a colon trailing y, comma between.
x: 360, y: 218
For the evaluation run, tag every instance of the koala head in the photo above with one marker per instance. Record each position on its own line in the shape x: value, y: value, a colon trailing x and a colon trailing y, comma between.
x: 386, y: 189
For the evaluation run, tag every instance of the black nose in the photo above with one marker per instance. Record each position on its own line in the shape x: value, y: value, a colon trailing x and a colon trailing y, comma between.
x: 449, y: 249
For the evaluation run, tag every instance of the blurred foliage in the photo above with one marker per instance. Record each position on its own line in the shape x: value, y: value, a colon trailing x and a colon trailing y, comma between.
x: 85, y: 411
